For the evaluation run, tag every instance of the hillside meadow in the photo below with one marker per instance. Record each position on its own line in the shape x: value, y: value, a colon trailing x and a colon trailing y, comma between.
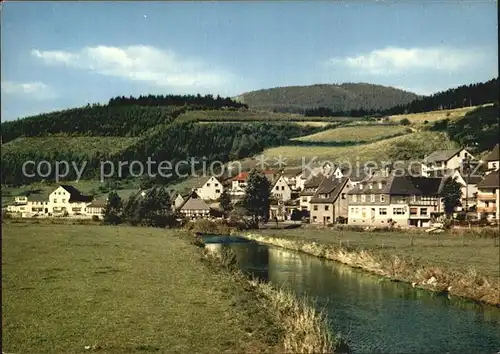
x: 433, y: 116
x: 81, y: 288
x: 360, y: 133
x: 409, y: 146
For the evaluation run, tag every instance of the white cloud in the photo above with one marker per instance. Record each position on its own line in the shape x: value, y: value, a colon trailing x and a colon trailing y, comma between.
x: 394, y: 60
x: 151, y: 65
x: 37, y: 90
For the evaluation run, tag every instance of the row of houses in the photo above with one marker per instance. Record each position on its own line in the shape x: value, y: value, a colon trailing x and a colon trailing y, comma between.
x: 327, y: 194
x: 331, y: 194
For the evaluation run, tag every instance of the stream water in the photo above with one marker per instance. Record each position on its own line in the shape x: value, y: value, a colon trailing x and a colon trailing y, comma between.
x: 376, y: 315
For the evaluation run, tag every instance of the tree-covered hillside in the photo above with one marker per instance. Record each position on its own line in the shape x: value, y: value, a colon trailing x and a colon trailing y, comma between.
x: 344, y: 97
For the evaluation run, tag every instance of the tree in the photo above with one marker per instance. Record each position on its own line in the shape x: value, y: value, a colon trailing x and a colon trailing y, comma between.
x: 113, y: 209
x: 131, y: 211
x: 225, y: 201
x: 451, y: 194
x: 404, y: 121
x: 155, y: 209
x: 257, y: 193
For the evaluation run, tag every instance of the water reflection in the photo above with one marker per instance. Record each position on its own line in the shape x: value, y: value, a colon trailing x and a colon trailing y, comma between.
x: 378, y: 315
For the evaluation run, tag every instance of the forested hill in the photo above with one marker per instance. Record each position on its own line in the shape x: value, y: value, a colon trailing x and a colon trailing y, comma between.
x: 344, y: 97
x: 462, y: 96
x: 122, y: 116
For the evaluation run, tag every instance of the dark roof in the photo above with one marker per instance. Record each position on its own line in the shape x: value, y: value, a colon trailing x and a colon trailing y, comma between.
x: 76, y: 195
x: 472, y: 179
x: 314, y: 181
x: 490, y: 181
x: 494, y: 155
x: 407, y: 185
x: 38, y: 197
x: 331, y: 186
x: 292, y: 172
x: 399, y: 185
x: 441, y: 155
x: 356, y: 175
x: 97, y: 204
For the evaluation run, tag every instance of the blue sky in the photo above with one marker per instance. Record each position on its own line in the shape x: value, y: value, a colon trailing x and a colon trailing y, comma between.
x: 58, y: 55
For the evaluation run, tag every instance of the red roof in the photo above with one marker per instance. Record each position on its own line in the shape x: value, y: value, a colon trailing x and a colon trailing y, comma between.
x: 242, y: 176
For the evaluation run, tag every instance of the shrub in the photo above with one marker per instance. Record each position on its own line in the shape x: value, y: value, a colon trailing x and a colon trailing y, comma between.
x: 404, y: 121
x: 95, y: 218
x: 341, y: 220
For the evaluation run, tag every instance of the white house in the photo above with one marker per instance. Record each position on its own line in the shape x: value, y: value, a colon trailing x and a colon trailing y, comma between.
x: 96, y: 208
x: 445, y: 160
x: 210, y: 189
x: 68, y: 200
x: 493, y: 159
x: 281, y: 190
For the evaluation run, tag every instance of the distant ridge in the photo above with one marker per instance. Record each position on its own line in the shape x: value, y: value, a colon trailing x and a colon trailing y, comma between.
x: 343, y: 97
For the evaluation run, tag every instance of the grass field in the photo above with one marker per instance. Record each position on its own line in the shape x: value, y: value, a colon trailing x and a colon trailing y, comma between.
x: 375, y: 151
x: 52, y: 144
x: 420, y: 118
x: 119, y: 289
x: 359, y: 133
x: 249, y: 115
x: 301, y: 123
x: 478, y: 253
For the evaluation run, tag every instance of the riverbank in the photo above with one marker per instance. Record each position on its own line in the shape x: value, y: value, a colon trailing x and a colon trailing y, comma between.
x: 81, y: 289
x: 466, y: 267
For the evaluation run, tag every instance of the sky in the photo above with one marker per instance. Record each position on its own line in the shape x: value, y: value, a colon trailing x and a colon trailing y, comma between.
x: 58, y: 55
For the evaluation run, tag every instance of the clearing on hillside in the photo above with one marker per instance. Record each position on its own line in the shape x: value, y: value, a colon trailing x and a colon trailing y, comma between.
x: 358, y: 133
x: 409, y: 146
x: 420, y: 118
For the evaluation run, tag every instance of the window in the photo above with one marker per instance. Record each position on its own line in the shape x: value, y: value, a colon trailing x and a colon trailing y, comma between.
x: 382, y: 198
x: 413, y: 198
x: 361, y: 186
x: 353, y: 210
x: 216, y: 184
x: 363, y: 197
x: 217, y: 191
x: 315, y: 207
x: 304, y: 200
x: 382, y: 211
x: 63, y: 201
x: 423, y: 211
x: 354, y: 197
x: 357, y: 210
x: 343, y: 196
x: 413, y: 211
x: 380, y: 185
x: 370, y: 185
x: 327, y: 218
x: 282, y: 188
x: 277, y: 188
x: 372, y: 197
x: 398, y: 211
x: 55, y: 200
x: 327, y: 207
x: 314, y: 218
x: 208, y: 184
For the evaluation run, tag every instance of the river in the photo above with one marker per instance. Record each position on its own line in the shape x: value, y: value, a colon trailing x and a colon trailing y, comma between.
x: 376, y: 315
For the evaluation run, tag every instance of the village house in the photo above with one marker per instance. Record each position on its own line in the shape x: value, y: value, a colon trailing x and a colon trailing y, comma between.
x: 403, y: 200
x: 282, y: 210
x: 281, y: 190
x: 96, y: 208
x: 195, y: 207
x: 239, y: 183
x: 445, y: 160
x: 487, y: 196
x: 310, y: 188
x: 178, y: 199
x: 208, y: 189
x: 67, y: 200
x: 295, y: 178
x: 493, y: 159
x: 468, y: 185
x: 330, y: 202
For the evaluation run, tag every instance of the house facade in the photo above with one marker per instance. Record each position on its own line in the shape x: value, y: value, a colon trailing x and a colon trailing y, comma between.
x: 445, y: 160
x: 401, y: 200
x: 310, y: 188
x: 493, y: 159
x: 194, y: 207
x: 281, y: 190
x: 209, y: 189
x: 487, y: 196
x: 330, y: 202
x: 96, y: 208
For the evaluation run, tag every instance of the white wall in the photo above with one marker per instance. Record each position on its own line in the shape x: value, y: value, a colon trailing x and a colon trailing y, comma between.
x: 211, y: 189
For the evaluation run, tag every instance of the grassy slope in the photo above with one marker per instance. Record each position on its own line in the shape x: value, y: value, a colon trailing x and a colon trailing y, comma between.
x: 376, y: 151
x: 358, y: 133
x: 121, y: 289
x: 249, y: 115
x: 420, y: 118
x: 53, y: 144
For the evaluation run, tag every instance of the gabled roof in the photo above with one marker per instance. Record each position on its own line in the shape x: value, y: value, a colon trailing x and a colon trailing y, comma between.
x: 292, y: 172
x: 38, y: 197
x: 407, y: 185
x: 75, y: 194
x: 314, y: 181
x: 442, y: 155
x: 490, y: 181
x: 194, y: 202
x: 494, y: 155
x: 331, y: 186
x: 356, y: 175
x: 101, y: 203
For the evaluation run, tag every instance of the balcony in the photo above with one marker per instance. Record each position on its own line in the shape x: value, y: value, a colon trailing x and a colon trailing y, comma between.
x: 486, y: 196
